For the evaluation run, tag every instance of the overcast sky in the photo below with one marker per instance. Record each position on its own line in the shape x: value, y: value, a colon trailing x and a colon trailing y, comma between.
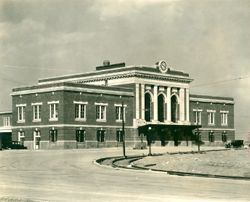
x: 209, y: 39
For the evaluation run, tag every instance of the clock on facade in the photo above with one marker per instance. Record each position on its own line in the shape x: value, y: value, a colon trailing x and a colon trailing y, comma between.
x: 162, y: 65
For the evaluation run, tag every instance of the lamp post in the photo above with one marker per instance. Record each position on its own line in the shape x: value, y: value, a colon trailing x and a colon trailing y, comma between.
x: 149, y: 141
x: 197, y: 128
x: 123, y: 131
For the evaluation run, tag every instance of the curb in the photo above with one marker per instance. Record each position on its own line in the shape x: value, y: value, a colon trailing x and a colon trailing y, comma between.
x: 170, y: 172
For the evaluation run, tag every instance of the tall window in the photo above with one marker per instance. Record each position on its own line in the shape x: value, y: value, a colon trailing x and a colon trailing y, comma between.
x: 37, y: 112
x: 224, y: 118
x: 119, y: 136
x: 6, y: 121
x: 118, y: 112
x: 211, y: 136
x: 80, y: 135
x: 21, y: 137
x: 148, y: 102
x: 211, y: 117
x: 53, y: 111
x: 197, y: 116
x: 161, y: 108
x: 21, y: 113
x: 53, y: 135
x: 101, y: 135
x: 80, y: 111
x: 174, y: 109
x: 101, y: 112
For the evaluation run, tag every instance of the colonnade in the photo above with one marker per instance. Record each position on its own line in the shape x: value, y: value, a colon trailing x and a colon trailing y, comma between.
x: 182, y: 95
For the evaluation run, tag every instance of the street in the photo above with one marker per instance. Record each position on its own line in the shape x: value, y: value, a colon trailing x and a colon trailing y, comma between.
x: 72, y: 175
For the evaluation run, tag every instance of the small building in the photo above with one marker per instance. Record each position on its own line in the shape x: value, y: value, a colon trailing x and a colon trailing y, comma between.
x: 5, y: 129
x: 86, y: 110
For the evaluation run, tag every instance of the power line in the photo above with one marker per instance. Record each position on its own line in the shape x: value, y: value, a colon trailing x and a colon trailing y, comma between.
x: 221, y: 81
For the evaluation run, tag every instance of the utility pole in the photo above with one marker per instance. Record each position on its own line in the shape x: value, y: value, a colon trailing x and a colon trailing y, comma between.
x: 123, y: 131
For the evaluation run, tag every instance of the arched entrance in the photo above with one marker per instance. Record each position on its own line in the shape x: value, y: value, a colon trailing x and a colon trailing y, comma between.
x: 174, y: 109
x: 161, y: 108
x: 148, y: 110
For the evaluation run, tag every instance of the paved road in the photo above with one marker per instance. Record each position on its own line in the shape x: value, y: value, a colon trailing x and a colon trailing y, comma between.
x: 71, y: 175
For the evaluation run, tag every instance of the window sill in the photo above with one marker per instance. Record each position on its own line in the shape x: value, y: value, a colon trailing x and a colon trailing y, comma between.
x: 101, y: 120
x: 224, y: 124
x: 79, y: 119
x: 54, y: 119
x: 211, y: 124
x: 21, y: 121
x: 37, y: 120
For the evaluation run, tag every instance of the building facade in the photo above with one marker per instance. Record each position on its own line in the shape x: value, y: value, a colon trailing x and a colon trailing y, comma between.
x: 5, y: 129
x: 87, y: 110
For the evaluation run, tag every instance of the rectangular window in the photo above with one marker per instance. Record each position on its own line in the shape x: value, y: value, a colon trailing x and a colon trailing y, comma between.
x: 211, y: 117
x: 6, y: 121
x: 53, y: 109
x: 100, y: 112
x: 118, y: 113
x: 80, y: 135
x: 21, y: 113
x: 101, y: 135
x: 37, y: 112
x: 197, y: 116
x: 224, y: 118
x: 211, y: 137
x: 80, y: 111
x: 119, y: 136
x: 53, y: 135
x: 21, y: 137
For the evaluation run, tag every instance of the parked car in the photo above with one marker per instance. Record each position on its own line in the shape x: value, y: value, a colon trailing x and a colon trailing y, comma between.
x: 15, y: 145
x: 235, y: 144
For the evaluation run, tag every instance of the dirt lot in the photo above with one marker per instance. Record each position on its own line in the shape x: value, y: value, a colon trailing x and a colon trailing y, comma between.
x: 229, y: 163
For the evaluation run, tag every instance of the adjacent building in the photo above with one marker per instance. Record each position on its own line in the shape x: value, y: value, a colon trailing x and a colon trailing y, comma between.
x: 5, y: 129
x: 87, y: 110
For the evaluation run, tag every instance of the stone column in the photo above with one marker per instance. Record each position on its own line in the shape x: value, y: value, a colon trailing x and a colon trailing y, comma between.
x: 182, y: 104
x: 187, y: 104
x: 137, y: 104
x: 142, y: 101
x: 169, y: 104
x: 155, y: 101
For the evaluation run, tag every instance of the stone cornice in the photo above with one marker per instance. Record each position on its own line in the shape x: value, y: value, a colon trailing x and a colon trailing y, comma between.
x: 138, y: 74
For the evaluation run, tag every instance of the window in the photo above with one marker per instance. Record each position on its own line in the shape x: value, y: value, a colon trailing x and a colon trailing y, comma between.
x: 6, y: 121
x: 21, y: 137
x: 101, y: 135
x: 80, y: 135
x: 211, y: 137
x: 224, y: 118
x: 53, y: 111
x: 53, y: 135
x: 100, y: 111
x: 224, y: 137
x: 118, y: 112
x: 211, y: 116
x: 197, y: 116
x: 80, y: 110
x: 119, y: 136
x: 21, y: 113
x: 37, y: 111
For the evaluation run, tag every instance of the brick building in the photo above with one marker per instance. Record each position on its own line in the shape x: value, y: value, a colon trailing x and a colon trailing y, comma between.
x: 85, y: 110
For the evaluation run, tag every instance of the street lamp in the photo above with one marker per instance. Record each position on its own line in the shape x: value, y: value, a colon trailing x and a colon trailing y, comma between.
x: 149, y: 141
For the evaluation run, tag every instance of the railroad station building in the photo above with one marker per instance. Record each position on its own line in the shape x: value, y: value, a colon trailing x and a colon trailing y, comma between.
x: 87, y: 110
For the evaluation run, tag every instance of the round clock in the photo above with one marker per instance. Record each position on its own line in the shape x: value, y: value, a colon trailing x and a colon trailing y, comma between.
x: 163, y: 66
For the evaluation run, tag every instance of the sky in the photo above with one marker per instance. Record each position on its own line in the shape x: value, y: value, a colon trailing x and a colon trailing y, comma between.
x: 209, y: 39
